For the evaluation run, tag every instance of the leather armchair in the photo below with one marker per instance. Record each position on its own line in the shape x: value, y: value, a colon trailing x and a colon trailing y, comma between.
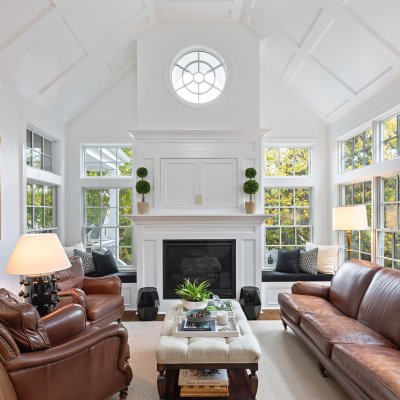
x: 59, y: 356
x: 100, y: 297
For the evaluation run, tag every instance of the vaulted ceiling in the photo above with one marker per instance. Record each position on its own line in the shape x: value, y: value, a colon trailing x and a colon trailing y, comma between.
x: 331, y: 54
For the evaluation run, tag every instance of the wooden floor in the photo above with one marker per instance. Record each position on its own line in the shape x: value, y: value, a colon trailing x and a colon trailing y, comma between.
x: 265, y: 315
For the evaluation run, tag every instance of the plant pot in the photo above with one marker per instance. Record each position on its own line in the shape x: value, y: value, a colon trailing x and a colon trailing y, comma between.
x: 250, y: 207
x: 142, y: 207
x: 194, y: 305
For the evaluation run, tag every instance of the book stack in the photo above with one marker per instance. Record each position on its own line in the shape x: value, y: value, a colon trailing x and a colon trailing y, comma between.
x: 204, y: 383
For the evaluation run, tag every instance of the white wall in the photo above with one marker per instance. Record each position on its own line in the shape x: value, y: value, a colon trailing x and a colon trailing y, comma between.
x: 238, y: 105
x: 15, y: 113
x: 107, y: 120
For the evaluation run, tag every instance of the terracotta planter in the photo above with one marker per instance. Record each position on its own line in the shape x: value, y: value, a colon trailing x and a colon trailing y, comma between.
x: 250, y: 207
x: 194, y: 305
x: 143, y: 207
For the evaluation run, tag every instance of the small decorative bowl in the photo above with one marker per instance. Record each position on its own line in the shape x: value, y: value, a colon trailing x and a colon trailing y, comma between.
x: 198, y: 316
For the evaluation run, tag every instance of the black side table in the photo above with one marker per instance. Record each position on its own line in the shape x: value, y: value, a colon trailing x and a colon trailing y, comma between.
x: 148, y: 303
x: 250, y: 300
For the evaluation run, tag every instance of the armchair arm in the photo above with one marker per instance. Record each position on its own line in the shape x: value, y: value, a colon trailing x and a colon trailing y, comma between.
x: 68, y: 350
x: 8, y: 347
x: 72, y: 296
x: 65, y: 323
x: 311, y: 289
x: 103, y: 285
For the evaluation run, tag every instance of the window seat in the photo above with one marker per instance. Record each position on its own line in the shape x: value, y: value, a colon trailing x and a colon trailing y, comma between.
x: 126, y: 276
x: 274, y: 276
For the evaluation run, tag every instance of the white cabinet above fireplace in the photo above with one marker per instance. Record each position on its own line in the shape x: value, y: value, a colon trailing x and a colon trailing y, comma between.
x: 202, y: 183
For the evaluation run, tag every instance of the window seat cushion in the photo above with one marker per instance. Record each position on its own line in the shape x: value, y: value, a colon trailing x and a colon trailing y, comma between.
x: 126, y: 276
x: 274, y: 276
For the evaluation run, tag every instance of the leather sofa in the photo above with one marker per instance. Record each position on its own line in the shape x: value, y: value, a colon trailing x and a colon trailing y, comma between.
x: 59, y: 357
x: 100, y: 297
x: 352, y: 327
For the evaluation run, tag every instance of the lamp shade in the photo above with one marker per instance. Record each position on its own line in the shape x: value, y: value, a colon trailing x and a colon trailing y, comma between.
x: 349, y: 218
x: 37, y: 254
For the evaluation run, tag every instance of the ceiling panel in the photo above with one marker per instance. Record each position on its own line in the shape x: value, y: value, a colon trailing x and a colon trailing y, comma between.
x: 45, y: 54
x: 293, y: 18
x: 103, y: 17
x: 382, y: 16
x: 319, y: 89
x: 352, y: 54
x: 275, y: 56
x: 120, y: 57
x: 17, y: 15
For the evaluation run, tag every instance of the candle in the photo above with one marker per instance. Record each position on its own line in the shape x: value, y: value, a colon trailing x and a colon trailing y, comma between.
x: 222, y: 318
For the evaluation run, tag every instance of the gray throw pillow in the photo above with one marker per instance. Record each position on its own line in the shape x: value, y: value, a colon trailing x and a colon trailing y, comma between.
x: 87, y: 261
x: 308, y: 261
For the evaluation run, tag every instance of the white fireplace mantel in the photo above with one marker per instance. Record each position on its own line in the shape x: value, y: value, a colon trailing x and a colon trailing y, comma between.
x: 151, y: 230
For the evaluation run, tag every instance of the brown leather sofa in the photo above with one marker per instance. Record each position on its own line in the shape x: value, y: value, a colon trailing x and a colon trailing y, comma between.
x: 59, y: 357
x: 100, y: 297
x: 352, y: 327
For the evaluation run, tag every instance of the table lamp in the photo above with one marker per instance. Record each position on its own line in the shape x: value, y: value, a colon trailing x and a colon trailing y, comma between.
x: 350, y: 218
x: 36, y: 257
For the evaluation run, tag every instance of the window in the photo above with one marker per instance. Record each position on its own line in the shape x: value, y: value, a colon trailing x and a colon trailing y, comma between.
x: 287, y: 161
x: 288, y: 223
x: 357, y: 151
x: 389, y: 222
x: 360, y: 245
x: 39, y: 151
x: 41, y: 209
x: 106, y: 225
x: 107, y: 161
x: 198, y: 76
x: 391, y: 138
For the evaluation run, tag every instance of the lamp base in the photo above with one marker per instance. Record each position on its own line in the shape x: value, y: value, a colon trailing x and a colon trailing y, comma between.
x: 41, y: 292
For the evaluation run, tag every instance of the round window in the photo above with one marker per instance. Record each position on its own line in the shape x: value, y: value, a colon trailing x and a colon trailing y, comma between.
x: 198, y: 76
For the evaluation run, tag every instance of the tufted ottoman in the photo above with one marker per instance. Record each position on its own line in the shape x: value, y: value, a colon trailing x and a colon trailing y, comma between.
x: 236, y: 354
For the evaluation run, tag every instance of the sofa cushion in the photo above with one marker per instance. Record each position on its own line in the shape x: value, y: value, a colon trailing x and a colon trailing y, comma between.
x: 23, y: 321
x: 380, y: 306
x: 375, y: 369
x: 100, y: 305
x: 72, y: 277
x: 350, y: 284
x: 296, y: 305
x: 327, y: 330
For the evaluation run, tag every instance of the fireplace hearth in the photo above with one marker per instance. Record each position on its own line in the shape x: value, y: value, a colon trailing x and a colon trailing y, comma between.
x: 210, y: 260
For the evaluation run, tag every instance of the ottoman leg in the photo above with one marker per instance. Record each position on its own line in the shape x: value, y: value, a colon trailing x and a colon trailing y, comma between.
x: 253, y: 384
x: 161, y: 383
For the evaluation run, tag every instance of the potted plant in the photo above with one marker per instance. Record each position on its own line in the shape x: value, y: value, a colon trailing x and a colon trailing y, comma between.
x: 194, y: 295
x: 250, y: 187
x: 142, y: 187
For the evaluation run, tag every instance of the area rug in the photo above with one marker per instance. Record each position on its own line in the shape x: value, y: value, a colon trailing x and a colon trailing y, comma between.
x: 287, y: 370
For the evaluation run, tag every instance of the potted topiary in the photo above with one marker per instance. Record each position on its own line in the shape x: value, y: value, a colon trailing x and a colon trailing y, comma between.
x: 194, y: 295
x: 250, y: 187
x: 142, y: 187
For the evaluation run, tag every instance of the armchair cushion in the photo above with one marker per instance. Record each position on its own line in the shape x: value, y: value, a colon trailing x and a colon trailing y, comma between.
x: 23, y: 322
x: 65, y: 323
x: 102, y: 305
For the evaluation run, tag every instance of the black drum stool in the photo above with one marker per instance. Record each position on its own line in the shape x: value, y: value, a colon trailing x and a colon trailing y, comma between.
x: 250, y: 301
x: 148, y: 303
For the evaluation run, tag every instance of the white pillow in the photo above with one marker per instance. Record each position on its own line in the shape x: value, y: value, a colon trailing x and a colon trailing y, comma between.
x: 326, y: 261
x: 69, y: 250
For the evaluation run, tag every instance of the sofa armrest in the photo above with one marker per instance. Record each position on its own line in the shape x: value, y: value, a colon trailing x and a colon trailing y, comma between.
x: 65, y: 323
x: 26, y: 362
x: 72, y: 296
x: 103, y: 285
x: 311, y: 289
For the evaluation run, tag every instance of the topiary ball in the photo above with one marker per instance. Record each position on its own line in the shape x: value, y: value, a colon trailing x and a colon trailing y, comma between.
x: 251, y: 187
x: 250, y: 173
x: 141, y: 172
x: 143, y: 187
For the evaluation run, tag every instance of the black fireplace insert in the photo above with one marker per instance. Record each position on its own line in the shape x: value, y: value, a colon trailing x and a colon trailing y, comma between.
x: 210, y: 260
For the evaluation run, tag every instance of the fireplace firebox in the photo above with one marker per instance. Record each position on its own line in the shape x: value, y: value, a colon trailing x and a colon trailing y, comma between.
x: 211, y: 260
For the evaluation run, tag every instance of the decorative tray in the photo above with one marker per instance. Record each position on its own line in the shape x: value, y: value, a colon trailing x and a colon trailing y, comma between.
x: 212, y: 330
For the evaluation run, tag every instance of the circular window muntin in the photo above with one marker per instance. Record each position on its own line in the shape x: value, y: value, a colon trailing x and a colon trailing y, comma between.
x: 213, y: 83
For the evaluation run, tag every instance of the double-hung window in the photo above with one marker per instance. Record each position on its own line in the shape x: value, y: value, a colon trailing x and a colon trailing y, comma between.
x: 287, y: 200
x: 39, y: 151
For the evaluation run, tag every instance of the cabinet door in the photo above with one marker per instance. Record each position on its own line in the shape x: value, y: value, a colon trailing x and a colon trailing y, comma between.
x: 179, y: 183
x: 218, y: 183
